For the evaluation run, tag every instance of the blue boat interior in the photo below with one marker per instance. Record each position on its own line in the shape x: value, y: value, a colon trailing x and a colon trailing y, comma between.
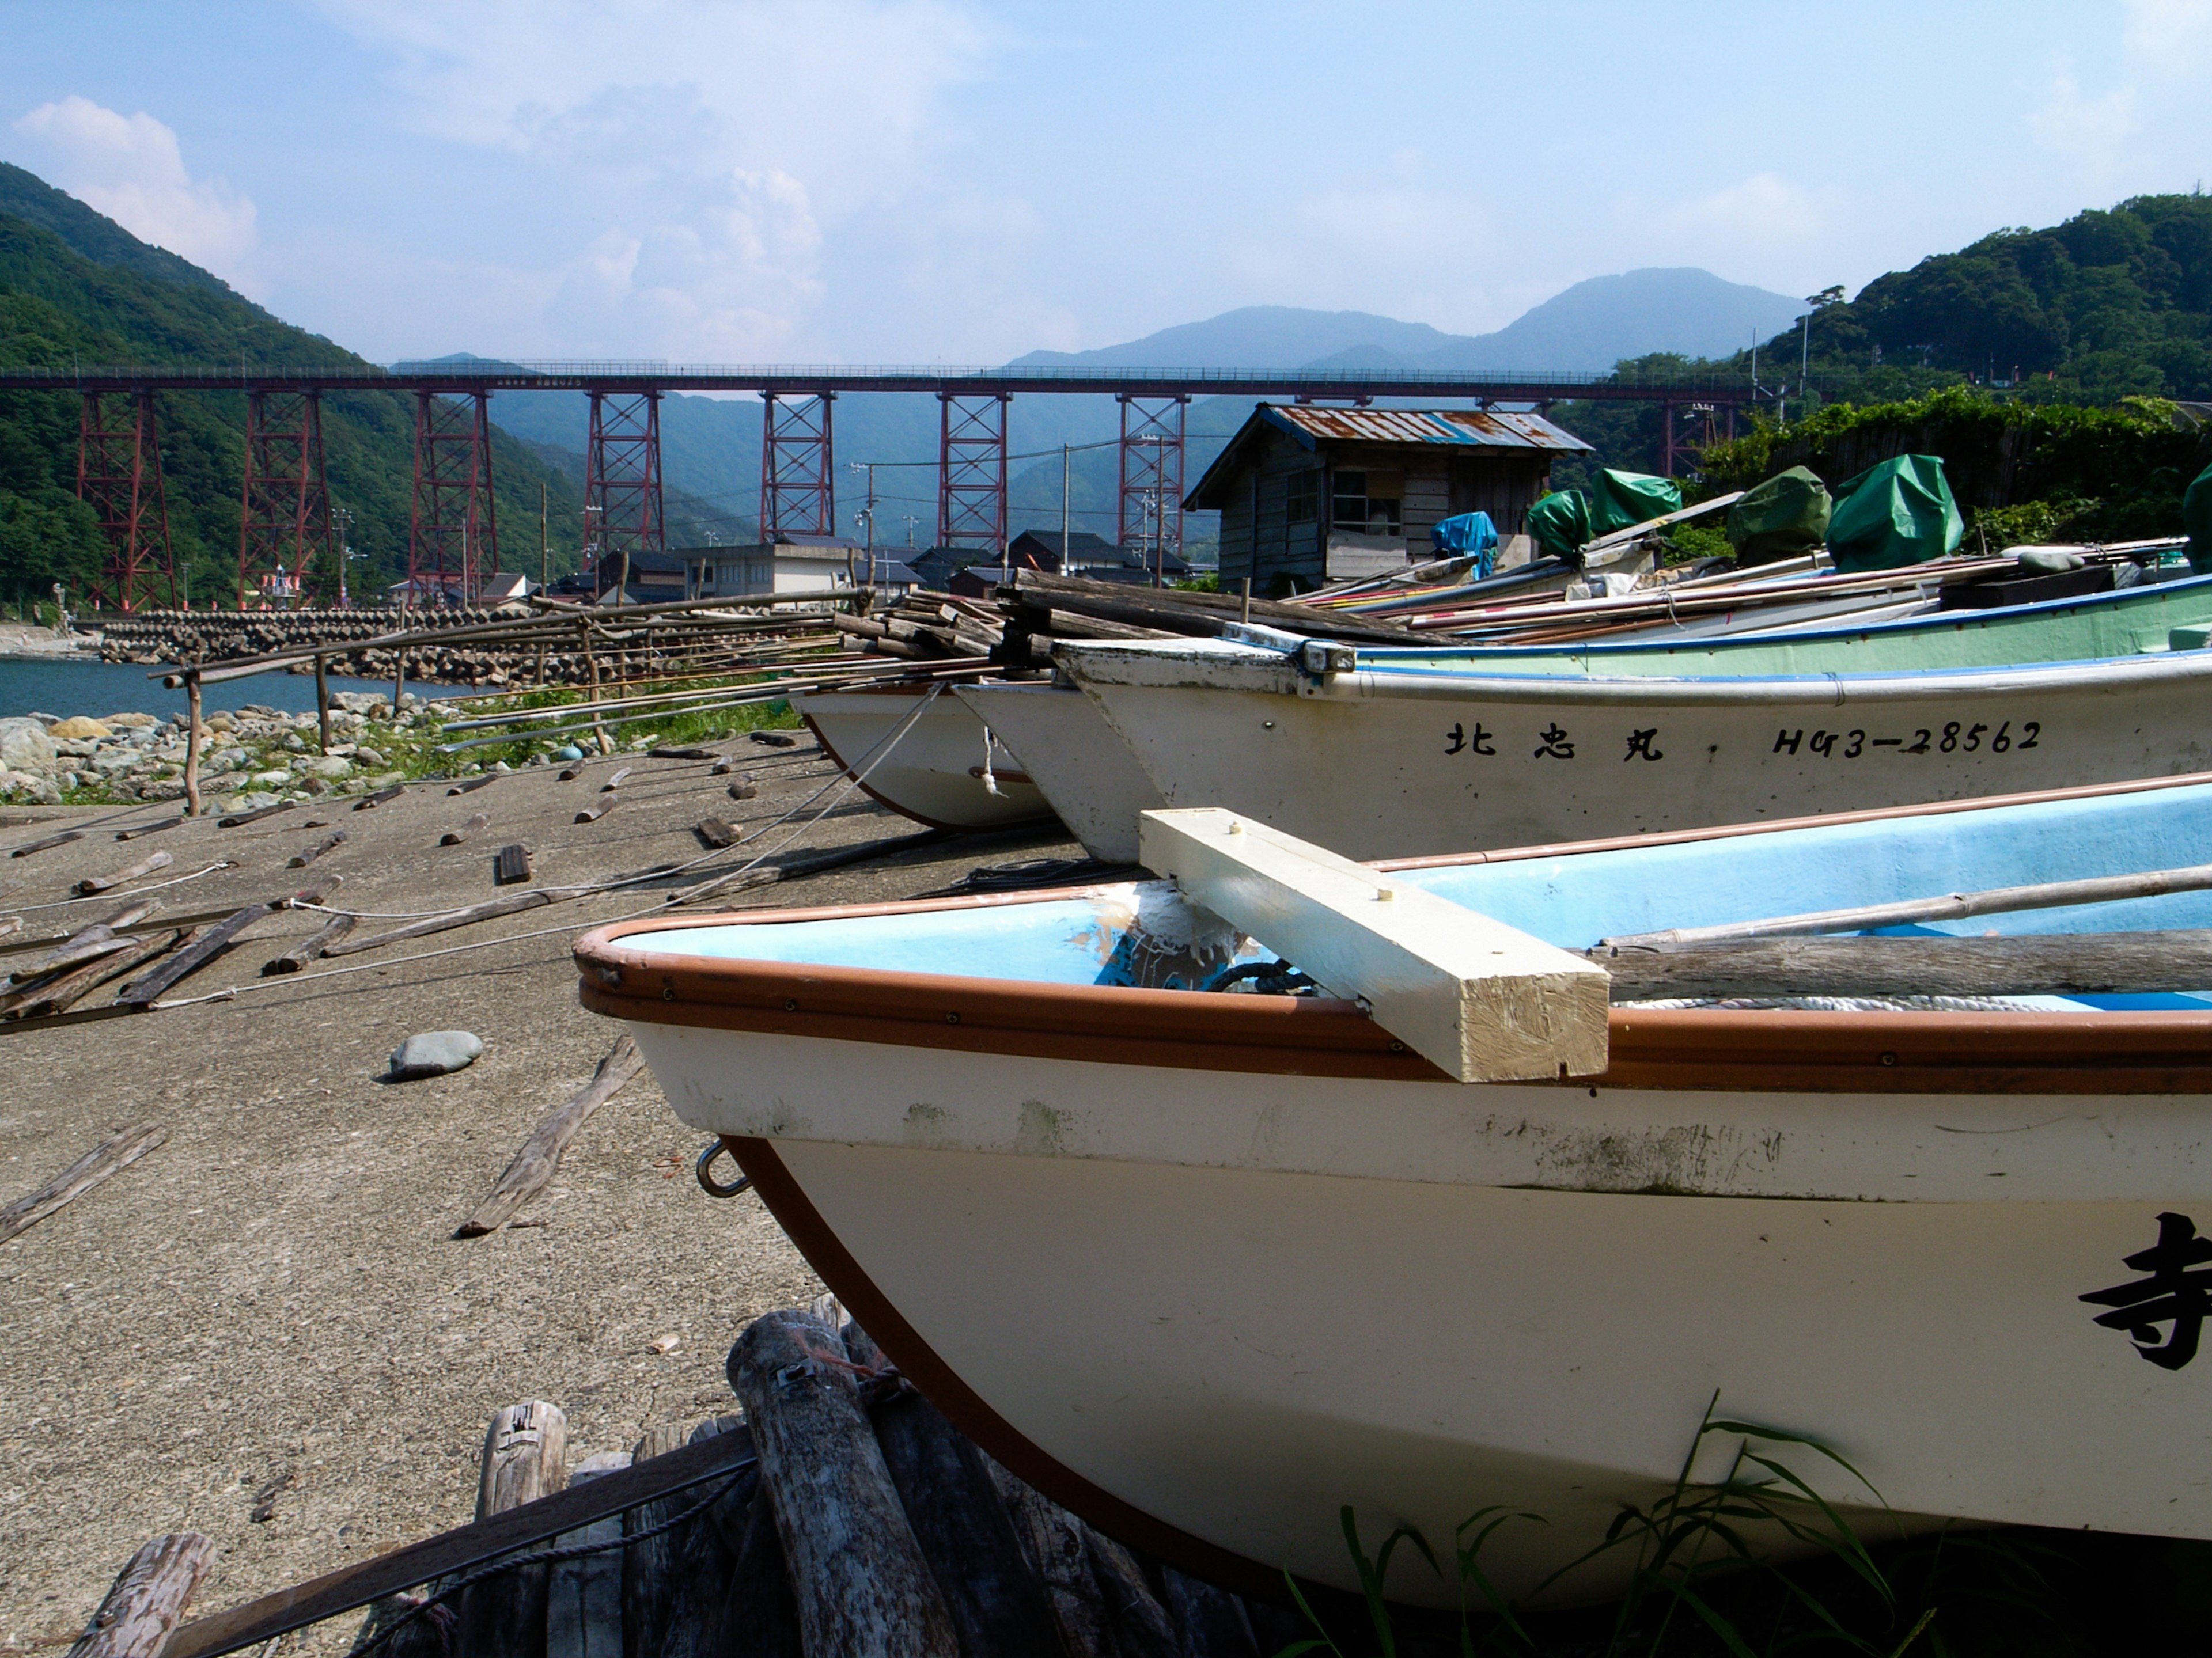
x: 1575, y: 899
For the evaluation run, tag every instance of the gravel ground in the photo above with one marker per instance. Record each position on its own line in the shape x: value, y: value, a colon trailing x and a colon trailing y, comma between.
x: 271, y: 1309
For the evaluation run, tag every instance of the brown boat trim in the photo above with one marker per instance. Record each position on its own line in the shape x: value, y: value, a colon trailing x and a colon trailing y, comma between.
x: 2093, y: 1052
x: 963, y: 1406
x: 890, y: 804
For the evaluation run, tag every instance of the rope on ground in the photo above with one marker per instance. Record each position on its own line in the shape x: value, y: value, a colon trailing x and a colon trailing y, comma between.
x: 112, y: 894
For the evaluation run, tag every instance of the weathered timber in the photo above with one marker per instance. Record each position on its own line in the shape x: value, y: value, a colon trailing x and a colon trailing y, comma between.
x: 238, y: 819
x: 148, y: 1598
x: 58, y: 995
x: 704, y: 1558
x: 81, y: 944
x: 207, y: 943
x: 449, y: 1553
x: 571, y: 772
x: 1177, y: 612
x: 48, y: 844
x: 117, y: 1153
x: 469, y: 786
x: 1053, y: 1542
x: 584, y: 1596
x: 717, y: 833
x: 1209, y: 1622
x: 997, y: 1602
x: 476, y: 824
x: 512, y: 865
x: 144, y: 866
x: 21, y: 986
x: 1142, y: 1627
x: 316, y: 890
x: 1941, y: 907
x: 163, y: 826
x: 310, y: 947
x: 681, y: 754
x: 195, y: 740
x: 744, y: 789
x: 335, y: 839
x: 599, y: 809
x: 2053, y: 964
x: 862, y: 1584
x: 648, y: 1565
x: 382, y: 796
x: 760, y: 1615
x: 768, y: 874
x: 540, y: 1155
x: 615, y: 781
x: 773, y: 739
x: 489, y: 910
x: 526, y: 1457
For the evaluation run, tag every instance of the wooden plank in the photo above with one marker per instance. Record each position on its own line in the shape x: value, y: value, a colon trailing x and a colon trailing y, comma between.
x: 302, y: 859
x: 144, y: 867
x: 862, y: 1584
x: 773, y: 739
x: 470, y: 785
x: 310, y: 947
x: 238, y: 819
x: 526, y: 1457
x: 163, y: 826
x: 512, y: 865
x: 477, y: 823
x: 540, y: 1155
x: 58, y: 995
x: 615, y: 782
x: 1941, y: 907
x: 1054, y: 1543
x: 682, y: 754
x: 741, y: 880
x: 2054, y: 964
x: 146, y: 1599
x: 599, y: 809
x: 571, y: 772
x: 381, y: 797
x: 718, y: 833
x: 206, y: 945
x: 1141, y: 1624
x: 489, y: 910
x: 48, y: 844
x: 1483, y: 1001
x: 649, y: 1564
x: 92, y: 944
x: 117, y: 1153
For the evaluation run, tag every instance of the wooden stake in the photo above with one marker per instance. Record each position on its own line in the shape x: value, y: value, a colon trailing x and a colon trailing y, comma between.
x: 526, y: 1457
x: 239, y: 819
x: 322, y: 702
x: 615, y: 782
x: 59, y: 995
x: 512, y: 865
x: 302, y: 859
x: 144, y: 866
x: 604, y: 744
x: 148, y: 1599
x: 477, y: 823
x: 469, y: 786
x: 192, y: 738
x: 599, y: 809
x: 309, y: 948
x: 118, y: 1151
x: 381, y: 797
x: 49, y: 843
x: 540, y: 1156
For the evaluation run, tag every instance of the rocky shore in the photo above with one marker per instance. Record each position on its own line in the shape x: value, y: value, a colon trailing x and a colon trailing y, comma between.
x: 151, y: 638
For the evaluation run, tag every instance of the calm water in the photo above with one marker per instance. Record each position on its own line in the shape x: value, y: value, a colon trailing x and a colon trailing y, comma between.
x: 93, y: 687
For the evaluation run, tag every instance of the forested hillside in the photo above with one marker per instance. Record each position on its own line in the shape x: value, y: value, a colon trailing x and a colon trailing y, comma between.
x: 101, y: 296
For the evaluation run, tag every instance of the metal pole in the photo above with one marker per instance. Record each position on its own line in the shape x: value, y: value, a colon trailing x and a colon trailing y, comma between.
x: 1066, y: 557
x: 544, y: 551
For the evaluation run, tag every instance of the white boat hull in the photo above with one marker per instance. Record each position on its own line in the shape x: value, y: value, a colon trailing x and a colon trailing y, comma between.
x: 1084, y: 771
x: 934, y: 771
x: 1236, y: 1302
x: 1386, y: 765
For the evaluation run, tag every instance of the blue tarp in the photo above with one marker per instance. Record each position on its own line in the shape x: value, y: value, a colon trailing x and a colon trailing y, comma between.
x: 1464, y: 533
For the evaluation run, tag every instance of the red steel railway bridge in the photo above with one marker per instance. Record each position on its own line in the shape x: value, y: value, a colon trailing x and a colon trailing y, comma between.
x: 453, y: 540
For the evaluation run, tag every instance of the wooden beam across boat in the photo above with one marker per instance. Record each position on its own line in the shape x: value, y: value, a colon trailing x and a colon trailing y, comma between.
x: 2037, y: 964
x: 1483, y: 1001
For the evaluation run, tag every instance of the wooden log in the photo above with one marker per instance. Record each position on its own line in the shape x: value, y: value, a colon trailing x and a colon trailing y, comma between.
x: 29, y: 980
x: 584, y: 1596
x: 148, y: 1599
x: 759, y: 1613
x: 744, y: 789
x: 322, y: 702
x: 615, y: 781
x: 540, y: 1155
x: 195, y: 737
x: 238, y: 819
x: 469, y: 786
x: 206, y: 943
x: 1209, y: 1622
x: 162, y: 828
x: 382, y: 796
x: 144, y: 866
x: 768, y: 874
x: 858, y: 1573
x: 489, y: 910
x: 599, y: 809
x: 526, y: 1457
x: 300, y: 859
x: 512, y: 865
x: 316, y: 891
x: 1942, y: 907
x: 477, y: 823
x: 682, y: 754
x: 715, y: 832
x: 1142, y: 1627
x: 1053, y: 1543
x: 649, y: 1563
x: 1483, y: 1001
x: 48, y: 844
x: 58, y: 995
x: 2055, y: 964
x: 997, y: 1600
x: 81, y: 945
x: 111, y: 1155
x: 310, y: 947
x: 705, y: 1559
x: 773, y: 739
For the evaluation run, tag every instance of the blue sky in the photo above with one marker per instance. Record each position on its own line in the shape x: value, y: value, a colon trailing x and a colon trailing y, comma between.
x: 927, y: 180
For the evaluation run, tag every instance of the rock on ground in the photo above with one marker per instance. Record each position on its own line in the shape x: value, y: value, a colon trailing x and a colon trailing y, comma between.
x: 434, y: 1053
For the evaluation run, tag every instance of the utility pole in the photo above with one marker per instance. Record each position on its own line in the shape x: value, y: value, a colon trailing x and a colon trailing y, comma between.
x: 910, y: 522
x: 545, y: 548
x: 1067, y: 555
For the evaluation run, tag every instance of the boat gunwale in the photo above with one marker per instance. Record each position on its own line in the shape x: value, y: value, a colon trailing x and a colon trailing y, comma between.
x: 1726, y: 1049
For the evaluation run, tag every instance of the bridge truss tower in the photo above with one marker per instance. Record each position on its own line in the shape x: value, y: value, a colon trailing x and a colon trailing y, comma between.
x: 798, y: 483
x: 972, y: 471
x: 453, y: 534
x: 622, y: 504
x: 119, y: 475
x: 284, y: 511
x: 1151, y: 517
x: 1687, y: 429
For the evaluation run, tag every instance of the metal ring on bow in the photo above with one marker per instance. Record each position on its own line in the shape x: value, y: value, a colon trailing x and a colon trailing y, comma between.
x: 704, y: 1169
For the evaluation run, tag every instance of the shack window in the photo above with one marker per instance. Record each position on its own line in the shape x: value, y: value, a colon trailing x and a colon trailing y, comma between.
x: 1353, y: 509
x: 1305, y: 497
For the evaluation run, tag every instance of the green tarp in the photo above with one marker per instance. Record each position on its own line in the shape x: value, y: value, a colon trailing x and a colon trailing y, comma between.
x: 1621, y: 499
x: 2197, y: 518
x: 1896, y: 512
x: 1783, y: 518
x: 1560, y: 523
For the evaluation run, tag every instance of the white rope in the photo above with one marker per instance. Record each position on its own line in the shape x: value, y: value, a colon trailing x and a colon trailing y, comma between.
x: 111, y: 895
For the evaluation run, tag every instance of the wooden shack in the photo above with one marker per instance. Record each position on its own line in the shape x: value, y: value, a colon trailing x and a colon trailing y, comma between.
x: 1308, y: 494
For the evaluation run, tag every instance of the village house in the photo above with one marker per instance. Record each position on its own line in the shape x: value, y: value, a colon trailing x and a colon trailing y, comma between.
x: 791, y: 563
x: 1308, y: 493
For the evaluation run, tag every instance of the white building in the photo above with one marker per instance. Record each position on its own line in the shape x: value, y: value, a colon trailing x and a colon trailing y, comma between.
x: 789, y: 564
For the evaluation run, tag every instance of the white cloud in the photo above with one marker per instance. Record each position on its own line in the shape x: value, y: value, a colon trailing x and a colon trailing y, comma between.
x: 2169, y: 39
x: 132, y: 168
x: 2091, y: 131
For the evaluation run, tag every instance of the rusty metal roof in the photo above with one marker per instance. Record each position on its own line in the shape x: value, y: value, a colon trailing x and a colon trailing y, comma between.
x: 1493, y: 428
